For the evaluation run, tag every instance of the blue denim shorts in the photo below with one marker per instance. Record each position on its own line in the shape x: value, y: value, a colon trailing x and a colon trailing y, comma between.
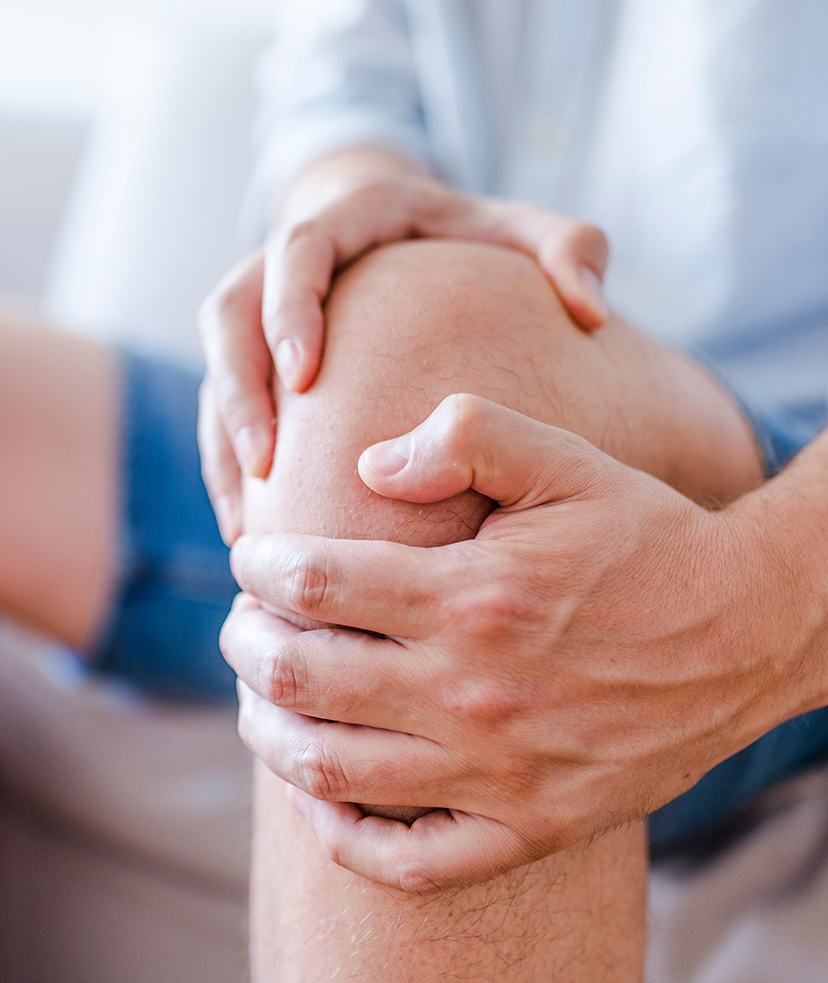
x: 175, y: 588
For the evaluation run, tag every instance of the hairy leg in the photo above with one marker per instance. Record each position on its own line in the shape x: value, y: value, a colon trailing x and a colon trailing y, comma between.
x: 407, y: 326
x: 58, y: 486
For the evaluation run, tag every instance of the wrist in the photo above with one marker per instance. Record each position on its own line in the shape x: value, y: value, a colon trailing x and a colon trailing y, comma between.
x: 780, y: 535
x: 339, y: 173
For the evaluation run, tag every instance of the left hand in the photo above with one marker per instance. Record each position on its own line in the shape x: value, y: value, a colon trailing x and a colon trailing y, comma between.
x: 599, y: 646
x: 267, y: 312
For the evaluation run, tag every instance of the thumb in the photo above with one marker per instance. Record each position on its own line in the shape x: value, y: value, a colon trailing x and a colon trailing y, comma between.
x: 470, y: 442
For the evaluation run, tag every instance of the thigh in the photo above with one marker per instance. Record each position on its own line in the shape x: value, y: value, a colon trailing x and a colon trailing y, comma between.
x: 58, y: 486
x: 107, y: 538
x: 174, y: 586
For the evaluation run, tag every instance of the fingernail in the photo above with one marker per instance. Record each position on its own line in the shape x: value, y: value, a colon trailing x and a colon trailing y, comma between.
x: 387, y: 458
x: 228, y: 519
x: 589, y: 278
x: 288, y: 358
x: 250, y: 444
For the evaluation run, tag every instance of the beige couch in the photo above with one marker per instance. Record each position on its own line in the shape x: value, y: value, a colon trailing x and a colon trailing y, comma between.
x: 123, y: 829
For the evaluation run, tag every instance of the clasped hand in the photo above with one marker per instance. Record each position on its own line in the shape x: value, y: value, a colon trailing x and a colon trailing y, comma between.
x: 562, y: 673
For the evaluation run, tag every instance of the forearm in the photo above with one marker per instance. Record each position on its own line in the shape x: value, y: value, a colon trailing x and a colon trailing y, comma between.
x: 784, y: 525
x: 337, y: 173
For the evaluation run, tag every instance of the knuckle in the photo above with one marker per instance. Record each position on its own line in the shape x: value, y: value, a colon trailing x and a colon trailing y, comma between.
x: 376, y: 194
x: 310, y: 584
x: 228, y: 394
x: 224, y: 299
x: 493, y: 611
x: 320, y: 774
x: 578, y: 241
x: 211, y: 471
x: 293, y: 235
x: 482, y: 701
x: 280, y: 669
x: 587, y: 232
x: 464, y: 416
x: 228, y: 635
x: 237, y: 297
x: 523, y: 779
x: 238, y: 290
x: 233, y: 297
x: 225, y: 637
x: 414, y: 877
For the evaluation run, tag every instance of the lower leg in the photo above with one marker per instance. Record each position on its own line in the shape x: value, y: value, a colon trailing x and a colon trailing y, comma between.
x: 58, y: 485
x: 408, y: 326
x: 578, y: 916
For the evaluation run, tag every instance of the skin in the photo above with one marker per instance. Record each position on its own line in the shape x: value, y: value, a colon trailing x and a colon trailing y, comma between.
x: 266, y: 313
x: 405, y: 327
x: 58, y: 484
x: 750, y: 632
x: 636, y: 621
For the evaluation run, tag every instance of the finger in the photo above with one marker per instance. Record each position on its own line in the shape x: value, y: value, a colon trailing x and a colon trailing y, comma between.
x: 300, y: 262
x: 388, y: 588
x: 299, y: 266
x: 575, y: 258
x: 444, y: 849
x: 219, y: 468
x: 240, y: 365
x: 341, y: 762
x: 470, y: 442
x: 331, y: 674
x: 573, y: 254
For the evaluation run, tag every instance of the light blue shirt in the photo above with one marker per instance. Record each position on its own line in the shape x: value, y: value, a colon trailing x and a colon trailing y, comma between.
x: 695, y: 132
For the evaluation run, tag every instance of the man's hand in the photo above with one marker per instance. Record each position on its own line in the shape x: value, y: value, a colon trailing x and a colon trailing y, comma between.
x: 268, y: 310
x: 599, y: 646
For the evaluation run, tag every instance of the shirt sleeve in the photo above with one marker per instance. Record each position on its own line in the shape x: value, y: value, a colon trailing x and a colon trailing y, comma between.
x: 340, y: 73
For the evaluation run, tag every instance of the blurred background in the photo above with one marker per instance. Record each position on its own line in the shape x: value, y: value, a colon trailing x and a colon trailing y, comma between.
x: 124, y: 825
x: 124, y: 155
x: 125, y: 136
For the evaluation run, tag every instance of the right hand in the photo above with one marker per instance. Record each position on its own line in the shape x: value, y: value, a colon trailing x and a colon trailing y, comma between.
x: 268, y: 310
x: 600, y: 645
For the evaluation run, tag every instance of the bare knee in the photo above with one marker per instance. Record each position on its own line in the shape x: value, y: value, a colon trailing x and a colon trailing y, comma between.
x: 408, y: 325
x: 434, y: 317
x: 429, y: 314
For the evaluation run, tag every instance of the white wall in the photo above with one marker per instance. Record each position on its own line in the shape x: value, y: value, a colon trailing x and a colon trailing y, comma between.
x: 124, y: 221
